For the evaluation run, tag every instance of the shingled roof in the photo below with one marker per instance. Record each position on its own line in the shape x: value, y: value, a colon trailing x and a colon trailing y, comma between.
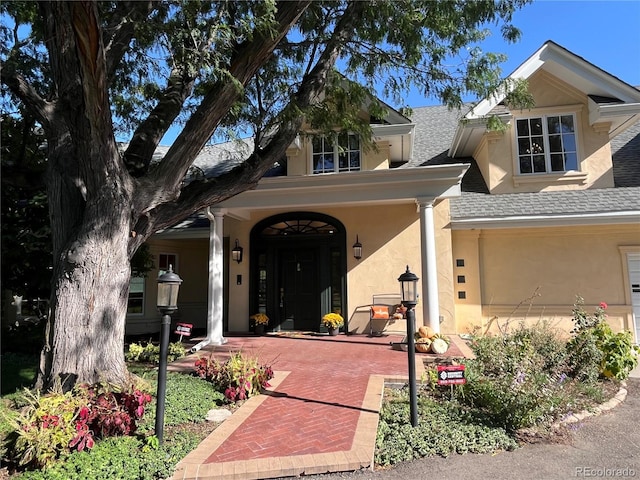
x: 435, y: 127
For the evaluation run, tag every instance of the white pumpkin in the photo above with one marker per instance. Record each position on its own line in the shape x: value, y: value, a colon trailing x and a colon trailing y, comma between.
x: 439, y: 346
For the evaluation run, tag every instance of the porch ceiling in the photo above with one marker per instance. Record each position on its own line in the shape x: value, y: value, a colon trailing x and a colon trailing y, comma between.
x: 375, y: 187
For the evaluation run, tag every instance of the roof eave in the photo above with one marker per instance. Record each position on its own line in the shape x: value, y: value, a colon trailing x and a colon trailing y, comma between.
x: 533, y: 221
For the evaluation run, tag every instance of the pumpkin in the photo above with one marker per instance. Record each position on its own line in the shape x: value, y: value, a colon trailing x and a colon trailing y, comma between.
x: 426, y: 332
x: 439, y: 345
x: 423, y: 345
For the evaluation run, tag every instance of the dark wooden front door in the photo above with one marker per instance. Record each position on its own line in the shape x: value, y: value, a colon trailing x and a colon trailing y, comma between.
x: 299, y: 292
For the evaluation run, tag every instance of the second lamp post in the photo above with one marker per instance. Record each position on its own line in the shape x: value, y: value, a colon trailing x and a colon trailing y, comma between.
x: 409, y: 283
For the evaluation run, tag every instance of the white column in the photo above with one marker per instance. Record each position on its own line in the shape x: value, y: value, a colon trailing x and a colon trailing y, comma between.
x: 215, y: 289
x: 431, y: 305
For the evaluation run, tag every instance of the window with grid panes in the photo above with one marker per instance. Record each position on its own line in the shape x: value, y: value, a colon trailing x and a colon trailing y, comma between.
x: 547, y: 144
x: 340, y: 153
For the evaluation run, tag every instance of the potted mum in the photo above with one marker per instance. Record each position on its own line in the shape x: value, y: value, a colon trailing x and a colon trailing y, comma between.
x: 333, y: 322
x: 260, y: 321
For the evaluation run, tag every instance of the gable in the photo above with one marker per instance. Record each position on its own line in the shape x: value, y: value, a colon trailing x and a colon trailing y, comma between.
x: 611, y: 103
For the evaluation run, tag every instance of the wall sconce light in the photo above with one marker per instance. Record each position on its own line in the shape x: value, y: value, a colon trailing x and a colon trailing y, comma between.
x: 236, y: 253
x: 357, y: 249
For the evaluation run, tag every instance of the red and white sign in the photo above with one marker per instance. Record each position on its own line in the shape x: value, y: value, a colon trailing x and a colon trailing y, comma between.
x: 183, y: 329
x: 451, y: 375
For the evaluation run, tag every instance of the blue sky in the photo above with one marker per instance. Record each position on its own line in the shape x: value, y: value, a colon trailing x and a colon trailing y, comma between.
x: 605, y: 33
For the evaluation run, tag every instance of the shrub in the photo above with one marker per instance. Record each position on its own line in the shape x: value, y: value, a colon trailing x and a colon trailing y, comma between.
x: 595, y: 350
x: 518, y: 379
x: 151, y: 353
x: 45, y: 428
x: 239, y: 377
x: 54, y: 424
x: 110, y: 412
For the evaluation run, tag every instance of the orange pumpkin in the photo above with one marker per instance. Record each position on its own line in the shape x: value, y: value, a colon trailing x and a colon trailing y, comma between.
x: 423, y: 345
x: 426, y: 332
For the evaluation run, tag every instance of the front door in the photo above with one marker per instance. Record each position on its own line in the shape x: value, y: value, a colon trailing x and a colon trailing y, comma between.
x: 298, y: 269
x: 298, y: 288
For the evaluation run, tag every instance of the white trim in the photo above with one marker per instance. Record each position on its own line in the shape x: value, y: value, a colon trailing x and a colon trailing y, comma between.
x: 577, y: 127
x: 572, y: 69
x: 400, y: 185
x: 522, y: 221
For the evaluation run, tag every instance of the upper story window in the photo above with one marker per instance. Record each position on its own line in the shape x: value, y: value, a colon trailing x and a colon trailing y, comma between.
x: 547, y: 144
x: 340, y: 153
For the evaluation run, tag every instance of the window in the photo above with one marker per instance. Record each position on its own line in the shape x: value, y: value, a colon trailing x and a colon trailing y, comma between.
x: 547, y: 144
x: 135, y: 305
x: 336, y: 154
x: 166, y: 259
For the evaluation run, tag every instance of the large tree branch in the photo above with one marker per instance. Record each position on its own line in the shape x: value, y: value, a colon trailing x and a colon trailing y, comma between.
x: 38, y: 106
x: 199, y: 194
x: 118, y: 33
x: 150, y: 132
x: 163, y: 183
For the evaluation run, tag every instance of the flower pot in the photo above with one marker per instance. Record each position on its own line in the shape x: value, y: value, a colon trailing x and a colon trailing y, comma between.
x: 334, y: 331
x: 259, y: 329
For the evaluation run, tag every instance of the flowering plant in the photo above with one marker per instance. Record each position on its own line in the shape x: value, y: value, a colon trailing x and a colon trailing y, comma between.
x: 332, y: 320
x: 259, y: 318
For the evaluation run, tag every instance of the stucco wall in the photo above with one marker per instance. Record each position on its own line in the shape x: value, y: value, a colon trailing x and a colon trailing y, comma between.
x: 496, y: 153
x: 298, y: 160
x: 390, y: 236
x: 536, y: 273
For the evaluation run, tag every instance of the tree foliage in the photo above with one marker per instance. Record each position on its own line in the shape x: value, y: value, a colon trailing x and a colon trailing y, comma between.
x: 89, y: 72
x: 26, y: 234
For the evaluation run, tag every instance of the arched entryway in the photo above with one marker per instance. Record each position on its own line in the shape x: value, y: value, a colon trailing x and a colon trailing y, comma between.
x: 298, y: 269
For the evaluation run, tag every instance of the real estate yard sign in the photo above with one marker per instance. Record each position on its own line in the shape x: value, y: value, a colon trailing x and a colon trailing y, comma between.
x: 451, y: 375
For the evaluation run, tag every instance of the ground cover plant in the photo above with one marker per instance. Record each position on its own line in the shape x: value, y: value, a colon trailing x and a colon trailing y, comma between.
x: 133, y: 454
x: 239, y: 377
x: 521, y: 383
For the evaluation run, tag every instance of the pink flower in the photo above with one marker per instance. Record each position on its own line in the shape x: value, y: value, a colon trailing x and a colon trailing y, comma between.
x: 603, y: 305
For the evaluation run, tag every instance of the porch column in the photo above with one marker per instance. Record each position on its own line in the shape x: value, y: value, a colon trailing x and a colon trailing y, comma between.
x: 215, y: 289
x: 431, y: 306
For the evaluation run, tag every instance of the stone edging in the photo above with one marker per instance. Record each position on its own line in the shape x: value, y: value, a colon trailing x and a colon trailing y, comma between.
x: 617, y: 399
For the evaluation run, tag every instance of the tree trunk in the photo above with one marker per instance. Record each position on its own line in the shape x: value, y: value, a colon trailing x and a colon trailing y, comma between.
x: 89, y: 313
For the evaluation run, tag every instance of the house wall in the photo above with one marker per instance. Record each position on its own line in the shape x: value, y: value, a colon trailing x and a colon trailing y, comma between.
x: 535, y: 274
x: 390, y: 236
x: 497, y: 153
x: 298, y: 162
x: 192, y: 267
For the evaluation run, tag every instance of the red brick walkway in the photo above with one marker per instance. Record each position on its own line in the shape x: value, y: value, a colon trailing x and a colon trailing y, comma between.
x: 316, y: 409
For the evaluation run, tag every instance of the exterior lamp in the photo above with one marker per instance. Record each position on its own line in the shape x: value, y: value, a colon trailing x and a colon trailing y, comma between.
x: 236, y: 253
x: 357, y: 249
x: 409, y: 284
x: 168, y: 287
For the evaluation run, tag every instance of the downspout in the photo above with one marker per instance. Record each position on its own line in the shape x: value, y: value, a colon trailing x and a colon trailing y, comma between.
x: 214, y: 290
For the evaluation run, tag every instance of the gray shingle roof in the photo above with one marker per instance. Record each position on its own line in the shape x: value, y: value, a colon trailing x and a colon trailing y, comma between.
x: 435, y: 127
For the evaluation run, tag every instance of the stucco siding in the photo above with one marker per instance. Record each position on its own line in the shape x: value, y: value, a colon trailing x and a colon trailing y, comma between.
x: 496, y: 153
x: 535, y: 274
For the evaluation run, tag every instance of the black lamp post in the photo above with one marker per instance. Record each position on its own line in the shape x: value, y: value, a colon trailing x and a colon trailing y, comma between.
x: 409, y: 283
x: 168, y: 287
